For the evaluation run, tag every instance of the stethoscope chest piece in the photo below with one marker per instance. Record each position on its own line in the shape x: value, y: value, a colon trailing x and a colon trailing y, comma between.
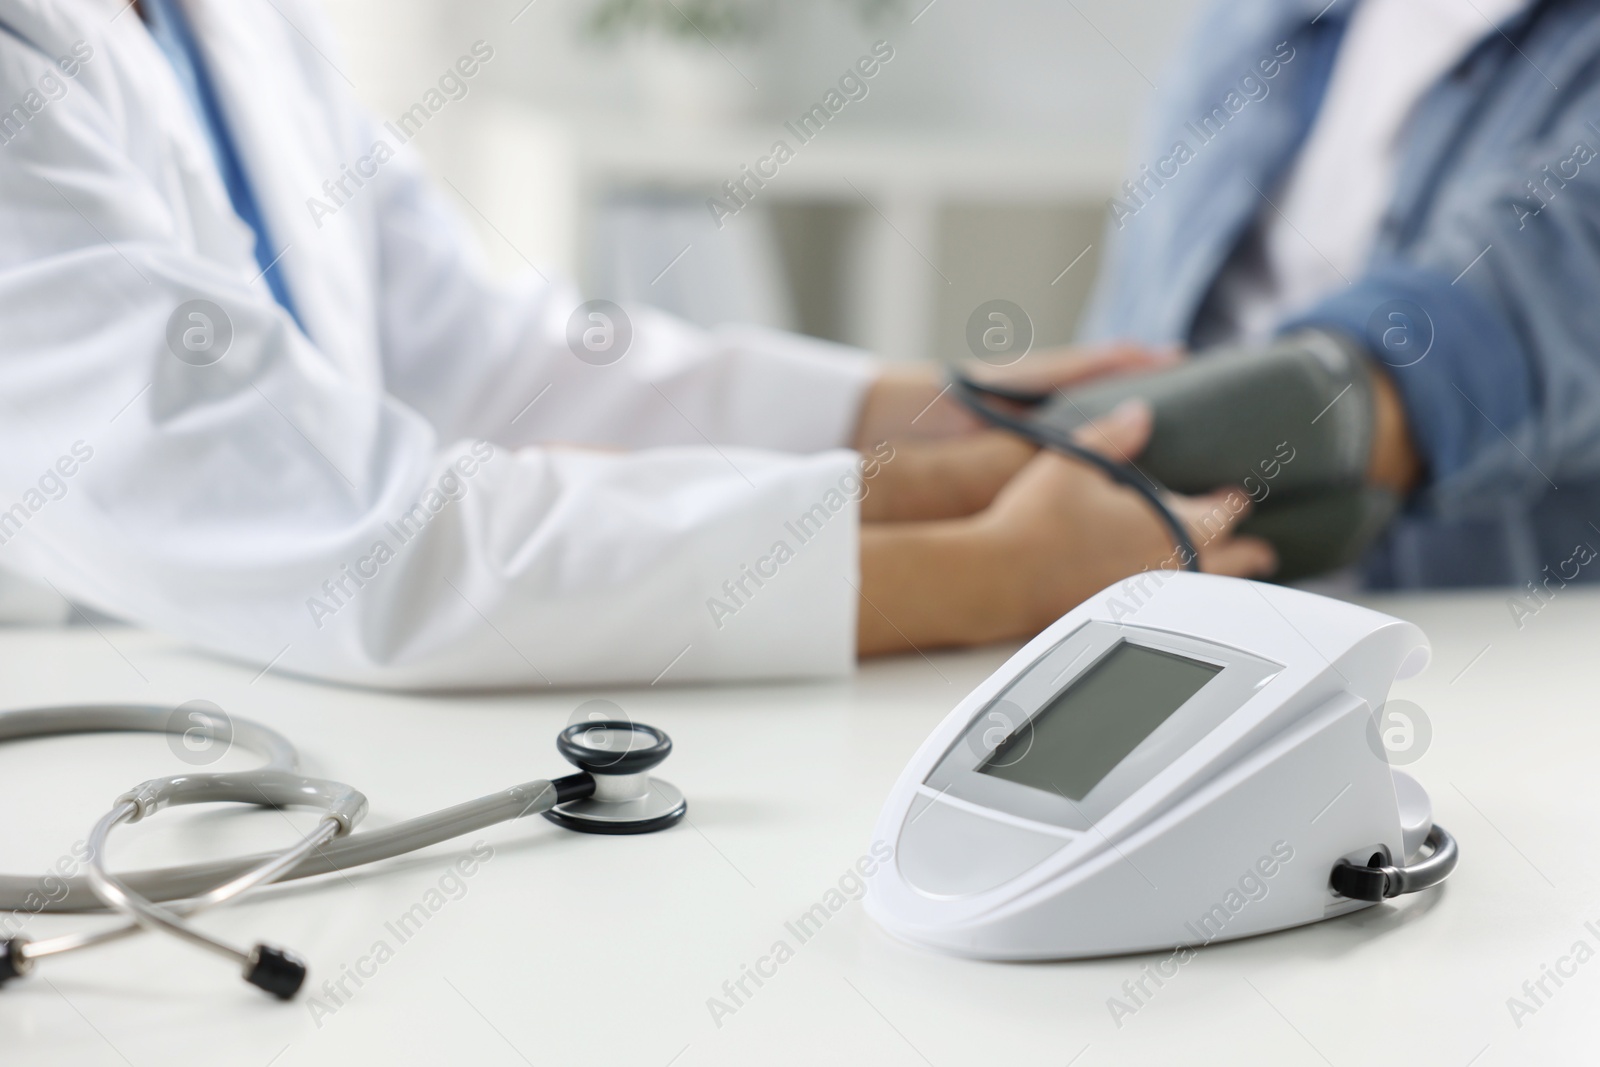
x: 618, y: 756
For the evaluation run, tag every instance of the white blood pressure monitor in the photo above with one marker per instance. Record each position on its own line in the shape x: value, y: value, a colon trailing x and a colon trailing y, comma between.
x: 1182, y: 758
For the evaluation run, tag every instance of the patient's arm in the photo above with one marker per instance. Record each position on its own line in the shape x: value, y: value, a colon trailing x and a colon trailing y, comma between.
x: 1394, y: 463
x: 1308, y: 424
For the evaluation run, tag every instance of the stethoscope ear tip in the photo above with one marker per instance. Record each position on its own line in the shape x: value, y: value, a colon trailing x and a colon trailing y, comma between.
x: 277, y: 971
x: 14, y: 962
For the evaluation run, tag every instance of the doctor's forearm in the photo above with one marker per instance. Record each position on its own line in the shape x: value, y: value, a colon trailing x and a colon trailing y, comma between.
x: 922, y: 480
x: 930, y: 585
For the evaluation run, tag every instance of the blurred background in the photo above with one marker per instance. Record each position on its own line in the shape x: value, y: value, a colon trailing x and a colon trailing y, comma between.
x: 977, y: 166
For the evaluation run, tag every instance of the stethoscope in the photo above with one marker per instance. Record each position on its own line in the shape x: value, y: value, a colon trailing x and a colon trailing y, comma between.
x: 612, y: 793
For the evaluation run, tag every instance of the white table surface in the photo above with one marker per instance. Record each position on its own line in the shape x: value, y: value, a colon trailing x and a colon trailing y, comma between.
x: 569, y: 948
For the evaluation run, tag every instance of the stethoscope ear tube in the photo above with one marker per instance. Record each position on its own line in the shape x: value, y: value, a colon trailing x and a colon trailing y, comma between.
x: 1381, y: 881
x: 974, y: 395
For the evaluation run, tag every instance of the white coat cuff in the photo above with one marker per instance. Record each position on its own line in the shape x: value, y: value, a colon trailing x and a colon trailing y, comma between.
x: 796, y: 394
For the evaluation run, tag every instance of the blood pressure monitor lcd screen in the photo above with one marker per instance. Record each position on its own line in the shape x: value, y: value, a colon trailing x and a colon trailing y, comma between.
x: 1076, y: 739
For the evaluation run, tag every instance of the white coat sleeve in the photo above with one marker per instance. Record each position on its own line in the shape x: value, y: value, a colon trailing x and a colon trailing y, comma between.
x: 480, y: 358
x: 273, y: 507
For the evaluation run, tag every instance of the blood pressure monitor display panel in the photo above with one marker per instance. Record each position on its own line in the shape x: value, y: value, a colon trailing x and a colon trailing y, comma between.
x: 1094, y: 719
x: 1098, y: 719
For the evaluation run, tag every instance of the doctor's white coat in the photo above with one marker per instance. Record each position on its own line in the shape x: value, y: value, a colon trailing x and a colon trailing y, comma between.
x: 374, y: 500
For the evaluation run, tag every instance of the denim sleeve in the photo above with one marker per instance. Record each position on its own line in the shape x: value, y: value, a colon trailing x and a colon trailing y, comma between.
x: 1487, y: 315
x: 1464, y: 375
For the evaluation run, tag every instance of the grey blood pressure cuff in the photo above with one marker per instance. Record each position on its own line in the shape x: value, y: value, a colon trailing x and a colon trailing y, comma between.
x: 1291, y: 423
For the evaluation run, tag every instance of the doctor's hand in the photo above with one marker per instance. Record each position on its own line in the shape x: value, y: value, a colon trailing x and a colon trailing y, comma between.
x: 1056, y: 534
x: 947, y: 479
x: 946, y: 462
x: 1073, y: 531
x: 913, y: 403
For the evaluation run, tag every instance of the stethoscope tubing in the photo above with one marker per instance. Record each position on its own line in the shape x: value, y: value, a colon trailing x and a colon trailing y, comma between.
x: 341, y: 854
x: 165, y: 898
x: 271, y: 868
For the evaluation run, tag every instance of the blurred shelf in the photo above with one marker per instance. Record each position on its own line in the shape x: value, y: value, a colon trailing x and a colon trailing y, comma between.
x: 544, y: 179
x: 938, y: 163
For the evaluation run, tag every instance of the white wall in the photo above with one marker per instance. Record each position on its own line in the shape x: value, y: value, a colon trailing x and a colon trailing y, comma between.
x: 1022, y: 71
x: 1039, y: 68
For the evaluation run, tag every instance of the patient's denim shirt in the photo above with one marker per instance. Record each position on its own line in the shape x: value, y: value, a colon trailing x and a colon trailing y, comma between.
x: 1489, y: 254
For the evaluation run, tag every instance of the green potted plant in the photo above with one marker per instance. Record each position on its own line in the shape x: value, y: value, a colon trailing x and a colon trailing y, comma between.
x: 702, y: 20
x: 696, y: 60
